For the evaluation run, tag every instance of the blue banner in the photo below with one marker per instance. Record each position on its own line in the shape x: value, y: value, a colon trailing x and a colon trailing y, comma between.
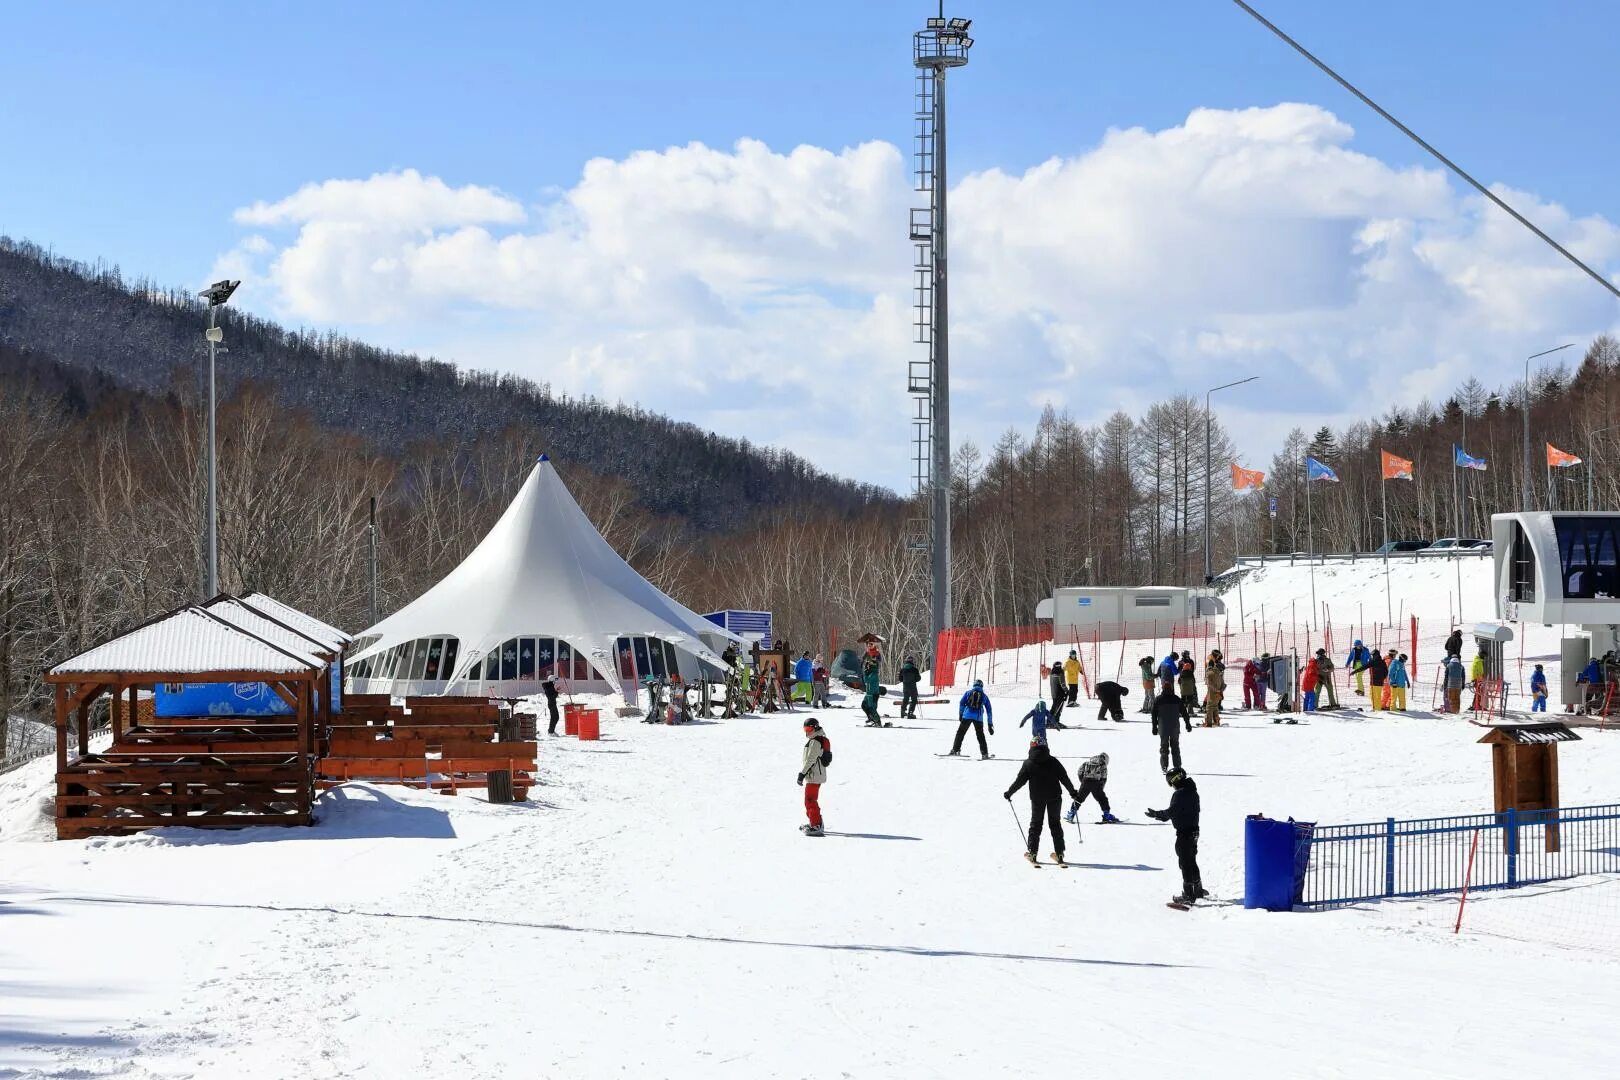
x: 1315, y: 470
x: 1467, y: 461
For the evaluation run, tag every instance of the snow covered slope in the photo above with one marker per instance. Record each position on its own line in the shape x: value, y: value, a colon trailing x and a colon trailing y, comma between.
x: 655, y: 913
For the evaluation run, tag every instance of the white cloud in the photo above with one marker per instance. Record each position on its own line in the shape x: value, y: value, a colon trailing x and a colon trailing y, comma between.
x: 767, y: 294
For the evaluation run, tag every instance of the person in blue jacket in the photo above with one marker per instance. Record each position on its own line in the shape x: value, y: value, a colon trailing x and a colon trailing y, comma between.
x: 1591, y: 677
x: 1041, y: 716
x: 1538, y: 690
x: 1399, y: 680
x: 1169, y: 667
x: 974, y: 711
x: 804, y: 673
x: 1356, y: 664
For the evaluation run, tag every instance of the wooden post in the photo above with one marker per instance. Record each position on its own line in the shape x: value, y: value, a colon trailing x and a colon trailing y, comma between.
x: 84, y: 725
x: 61, y: 726
x: 115, y: 714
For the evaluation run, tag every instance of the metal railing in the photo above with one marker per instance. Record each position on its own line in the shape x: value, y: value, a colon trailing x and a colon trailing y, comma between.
x: 1424, y: 856
x: 1300, y: 558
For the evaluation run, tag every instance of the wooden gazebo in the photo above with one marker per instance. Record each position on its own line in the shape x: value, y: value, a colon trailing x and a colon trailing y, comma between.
x: 207, y: 771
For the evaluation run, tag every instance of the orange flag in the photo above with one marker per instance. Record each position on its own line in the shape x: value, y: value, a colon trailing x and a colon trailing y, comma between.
x: 1396, y: 468
x: 1246, y: 478
x: 1559, y: 459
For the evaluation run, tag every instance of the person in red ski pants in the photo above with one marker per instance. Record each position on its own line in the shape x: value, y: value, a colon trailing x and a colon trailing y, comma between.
x: 813, y: 773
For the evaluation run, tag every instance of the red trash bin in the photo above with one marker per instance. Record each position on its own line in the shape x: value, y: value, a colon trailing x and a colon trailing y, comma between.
x: 571, y: 718
x: 590, y: 724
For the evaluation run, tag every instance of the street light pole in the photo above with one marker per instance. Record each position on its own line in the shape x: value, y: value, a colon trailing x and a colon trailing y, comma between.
x: 216, y: 294
x: 1527, y: 507
x: 1209, y: 555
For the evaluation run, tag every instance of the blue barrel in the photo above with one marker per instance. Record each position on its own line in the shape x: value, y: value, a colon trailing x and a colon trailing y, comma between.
x: 1274, y: 856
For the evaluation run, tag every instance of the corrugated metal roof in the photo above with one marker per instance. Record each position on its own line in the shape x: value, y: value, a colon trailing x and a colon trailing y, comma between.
x: 240, y: 615
x: 299, y: 621
x: 188, y: 641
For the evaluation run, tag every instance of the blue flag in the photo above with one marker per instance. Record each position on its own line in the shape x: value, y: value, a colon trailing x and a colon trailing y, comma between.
x: 1466, y: 461
x: 1315, y: 470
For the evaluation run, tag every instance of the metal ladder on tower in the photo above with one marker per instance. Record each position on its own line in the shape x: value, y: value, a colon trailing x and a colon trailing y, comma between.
x: 920, y: 373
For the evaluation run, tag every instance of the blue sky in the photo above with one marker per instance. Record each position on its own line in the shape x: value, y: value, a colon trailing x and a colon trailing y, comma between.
x: 133, y: 133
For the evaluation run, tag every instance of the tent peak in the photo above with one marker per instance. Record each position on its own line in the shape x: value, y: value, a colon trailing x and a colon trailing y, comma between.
x: 545, y: 457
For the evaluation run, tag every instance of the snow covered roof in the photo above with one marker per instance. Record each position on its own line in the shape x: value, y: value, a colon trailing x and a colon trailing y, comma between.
x: 244, y: 617
x: 298, y: 620
x: 544, y: 569
x: 187, y: 641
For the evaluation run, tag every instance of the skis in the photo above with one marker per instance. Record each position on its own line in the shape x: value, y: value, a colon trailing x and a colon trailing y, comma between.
x: 966, y: 757
x: 1177, y: 905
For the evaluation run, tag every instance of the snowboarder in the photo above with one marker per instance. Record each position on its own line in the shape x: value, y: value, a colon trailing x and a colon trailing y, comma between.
x: 1454, y: 679
x: 1214, y: 688
x: 1041, y: 718
x: 1072, y: 670
x: 1378, y: 677
x: 548, y: 686
x: 910, y: 676
x: 870, y: 663
x: 1454, y: 643
x: 1147, y: 666
x: 1538, y: 690
x: 1253, y: 696
x: 974, y: 711
x: 1324, y: 679
x: 1047, y: 779
x: 1182, y: 813
x: 1399, y: 680
x: 1093, y: 778
x: 1356, y: 664
x: 1060, y: 690
x: 813, y: 773
x: 1167, y: 721
x: 1110, y: 697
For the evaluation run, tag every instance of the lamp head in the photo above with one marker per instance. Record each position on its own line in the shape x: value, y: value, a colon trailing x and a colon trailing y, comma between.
x: 219, y: 292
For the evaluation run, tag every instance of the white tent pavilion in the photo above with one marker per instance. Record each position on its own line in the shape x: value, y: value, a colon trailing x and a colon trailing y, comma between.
x: 542, y: 595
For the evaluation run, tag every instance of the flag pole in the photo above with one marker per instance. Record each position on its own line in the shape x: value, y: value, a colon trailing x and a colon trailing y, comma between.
x: 1310, y: 534
x: 1383, y: 494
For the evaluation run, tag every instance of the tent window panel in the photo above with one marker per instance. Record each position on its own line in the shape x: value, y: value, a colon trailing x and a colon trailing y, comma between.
x: 509, y: 659
x: 582, y: 667
x: 643, y: 666
x: 435, y: 655
x: 447, y: 666
x: 672, y: 663
x: 565, y: 660
x: 655, y: 652
x: 417, y: 659
x: 627, y: 663
x: 545, y: 657
x: 392, y: 662
x: 476, y: 672
x: 525, y: 658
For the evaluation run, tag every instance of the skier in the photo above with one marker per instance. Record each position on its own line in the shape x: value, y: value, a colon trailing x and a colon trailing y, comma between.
x: 910, y: 675
x: 1455, y: 678
x: 1399, y: 680
x: 1072, y: 670
x: 1183, y: 814
x: 1147, y: 666
x: 548, y: 686
x: 818, y: 685
x: 1476, y: 673
x: 1167, y: 721
x: 1047, y: 779
x: 1454, y: 643
x: 1378, y: 676
x: 1324, y: 679
x: 1214, y: 688
x: 1591, y: 677
x: 1262, y: 680
x: 1041, y: 717
x: 804, y: 673
x: 1356, y: 663
x: 813, y: 773
x: 869, y: 679
x: 1060, y: 691
x: 1109, y: 700
x: 1168, y: 667
x: 1093, y: 778
x: 974, y: 711
x: 1307, y: 685
x: 1187, y: 679
x: 1251, y: 685
x: 1538, y: 690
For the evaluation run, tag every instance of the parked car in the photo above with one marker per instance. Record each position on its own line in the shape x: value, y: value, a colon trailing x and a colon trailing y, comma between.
x: 1395, y: 546
x: 1451, y: 545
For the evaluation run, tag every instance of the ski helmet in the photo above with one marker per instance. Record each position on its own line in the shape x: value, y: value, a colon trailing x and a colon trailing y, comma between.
x: 1102, y: 758
x: 1175, y: 776
x: 978, y: 684
x: 1357, y: 643
x: 812, y: 724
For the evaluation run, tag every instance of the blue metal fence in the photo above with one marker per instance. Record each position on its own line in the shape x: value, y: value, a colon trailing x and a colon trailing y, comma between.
x: 1421, y: 856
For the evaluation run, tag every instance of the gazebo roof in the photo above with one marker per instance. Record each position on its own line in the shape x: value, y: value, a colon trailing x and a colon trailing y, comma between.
x: 187, y: 642
x: 308, y: 625
x: 249, y: 617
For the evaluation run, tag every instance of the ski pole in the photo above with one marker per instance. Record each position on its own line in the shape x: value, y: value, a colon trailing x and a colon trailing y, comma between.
x: 1019, y: 825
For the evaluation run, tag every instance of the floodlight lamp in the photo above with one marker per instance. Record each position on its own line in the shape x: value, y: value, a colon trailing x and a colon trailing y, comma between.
x: 967, y: 43
x: 219, y: 292
x: 935, y: 23
x: 961, y: 24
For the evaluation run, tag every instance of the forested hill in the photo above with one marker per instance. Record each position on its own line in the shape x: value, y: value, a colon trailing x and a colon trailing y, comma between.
x: 87, y: 319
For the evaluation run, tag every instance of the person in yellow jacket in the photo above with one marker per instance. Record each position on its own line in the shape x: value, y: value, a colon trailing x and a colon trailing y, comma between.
x: 1476, y: 675
x: 1071, y: 675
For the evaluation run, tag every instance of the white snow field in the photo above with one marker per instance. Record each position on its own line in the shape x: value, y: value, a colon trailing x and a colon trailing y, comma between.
x: 654, y: 912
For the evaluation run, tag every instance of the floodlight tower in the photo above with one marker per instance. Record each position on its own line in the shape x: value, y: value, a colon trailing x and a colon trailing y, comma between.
x: 217, y: 295
x: 941, y: 45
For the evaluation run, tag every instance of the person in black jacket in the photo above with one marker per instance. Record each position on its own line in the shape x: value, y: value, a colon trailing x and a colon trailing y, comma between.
x: 1060, y: 694
x: 1454, y: 643
x: 1108, y: 701
x: 1182, y: 813
x: 1047, y: 778
x: 1167, y: 720
x: 549, y: 686
x: 910, y: 675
